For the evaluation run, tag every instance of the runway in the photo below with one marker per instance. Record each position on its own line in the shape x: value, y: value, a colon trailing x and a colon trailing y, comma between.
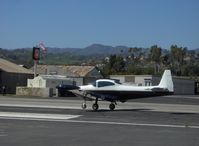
x: 152, y: 121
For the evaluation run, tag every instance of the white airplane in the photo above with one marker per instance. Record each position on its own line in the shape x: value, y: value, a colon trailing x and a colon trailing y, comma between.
x: 112, y: 91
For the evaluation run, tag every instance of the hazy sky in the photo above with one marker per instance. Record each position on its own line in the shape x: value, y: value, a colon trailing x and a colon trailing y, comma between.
x: 79, y: 23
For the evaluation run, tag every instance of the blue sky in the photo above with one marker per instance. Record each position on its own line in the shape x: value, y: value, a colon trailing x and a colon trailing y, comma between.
x: 80, y: 23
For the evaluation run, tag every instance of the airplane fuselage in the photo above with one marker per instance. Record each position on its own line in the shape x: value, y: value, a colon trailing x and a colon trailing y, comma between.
x: 112, y: 91
x: 124, y: 92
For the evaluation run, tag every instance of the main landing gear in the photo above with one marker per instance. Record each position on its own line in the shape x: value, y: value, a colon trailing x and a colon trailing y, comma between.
x: 112, y: 106
x: 95, y: 106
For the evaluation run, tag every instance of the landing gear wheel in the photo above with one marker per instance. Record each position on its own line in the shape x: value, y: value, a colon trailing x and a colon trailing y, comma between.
x: 95, y: 106
x: 84, y: 106
x: 112, y: 106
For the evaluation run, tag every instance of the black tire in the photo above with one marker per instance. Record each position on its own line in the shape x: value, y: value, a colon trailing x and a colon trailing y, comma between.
x: 95, y: 106
x: 112, y: 106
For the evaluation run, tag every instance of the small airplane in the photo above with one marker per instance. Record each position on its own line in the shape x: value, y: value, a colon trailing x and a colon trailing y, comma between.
x: 113, y: 91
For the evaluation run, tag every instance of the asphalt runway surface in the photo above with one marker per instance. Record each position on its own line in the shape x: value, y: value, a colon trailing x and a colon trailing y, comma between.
x: 158, y: 121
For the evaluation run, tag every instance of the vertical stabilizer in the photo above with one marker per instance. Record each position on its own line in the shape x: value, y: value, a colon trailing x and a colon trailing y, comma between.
x: 166, y: 81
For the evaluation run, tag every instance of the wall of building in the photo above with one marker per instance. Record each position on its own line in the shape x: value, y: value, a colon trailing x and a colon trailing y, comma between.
x: 89, y: 80
x: 181, y: 86
x: 30, y: 91
x: 133, y: 79
x: 36, y: 82
x: 119, y: 77
x: 77, y: 81
x: 48, y: 82
x: 184, y: 86
x: 12, y: 80
x: 143, y: 80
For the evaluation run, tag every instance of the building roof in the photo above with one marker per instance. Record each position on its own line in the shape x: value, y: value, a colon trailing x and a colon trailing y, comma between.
x: 8, y: 66
x: 57, y: 77
x: 71, y: 71
x: 79, y: 70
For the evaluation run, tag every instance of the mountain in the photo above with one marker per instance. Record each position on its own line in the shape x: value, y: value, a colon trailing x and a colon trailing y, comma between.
x: 55, y: 50
x: 98, y: 49
x: 197, y: 50
x: 73, y: 55
x: 94, y: 49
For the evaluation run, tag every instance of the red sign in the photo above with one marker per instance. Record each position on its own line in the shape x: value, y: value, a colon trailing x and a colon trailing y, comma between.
x: 36, y: 53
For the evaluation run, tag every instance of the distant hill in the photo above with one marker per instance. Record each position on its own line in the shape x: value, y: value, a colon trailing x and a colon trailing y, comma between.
x: 95, y: 49
x: 197, y: 50
x: 74, y: 55
x: 99, y: 50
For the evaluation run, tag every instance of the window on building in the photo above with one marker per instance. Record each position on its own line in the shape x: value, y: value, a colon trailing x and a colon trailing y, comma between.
x: 147, y: 82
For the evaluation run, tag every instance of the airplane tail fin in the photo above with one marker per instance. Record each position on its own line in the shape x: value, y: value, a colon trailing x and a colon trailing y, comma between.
x: 166, y: 81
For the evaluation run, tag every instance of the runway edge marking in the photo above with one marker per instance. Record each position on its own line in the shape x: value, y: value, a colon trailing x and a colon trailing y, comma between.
x: 67, y: 118
x: 24, y: 116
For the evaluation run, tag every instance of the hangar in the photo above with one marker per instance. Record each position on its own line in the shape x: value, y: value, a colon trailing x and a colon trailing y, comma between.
x: 182, y: 85
x: 80, y: 75
x: 12, y: 75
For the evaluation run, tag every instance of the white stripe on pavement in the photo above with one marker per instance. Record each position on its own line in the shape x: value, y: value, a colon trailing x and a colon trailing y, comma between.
x: 67, y: 118
x: 37, y: 116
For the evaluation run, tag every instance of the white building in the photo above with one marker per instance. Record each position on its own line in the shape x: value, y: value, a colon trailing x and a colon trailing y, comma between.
x: 138, y: 80
x: 182, y: 85
x: 49, y: 81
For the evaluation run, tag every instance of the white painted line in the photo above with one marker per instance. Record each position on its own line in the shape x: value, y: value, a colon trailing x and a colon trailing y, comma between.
x: 135, y: 124
x: 37, y: 116
x: 3, y: 135
x: 155, y: 107
x: 67, y: 119
x: 41, y: 106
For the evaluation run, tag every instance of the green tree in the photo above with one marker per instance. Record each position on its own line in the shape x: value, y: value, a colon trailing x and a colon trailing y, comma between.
x: 177, y: 58
x: 115, y: 65
x: 155, y: 54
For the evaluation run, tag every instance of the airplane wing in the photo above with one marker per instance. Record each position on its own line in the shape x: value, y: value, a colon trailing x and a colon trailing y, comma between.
x: 84, y: 95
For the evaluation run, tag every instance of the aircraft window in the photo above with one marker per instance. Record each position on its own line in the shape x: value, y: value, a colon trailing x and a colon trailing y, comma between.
x: 105, y: 83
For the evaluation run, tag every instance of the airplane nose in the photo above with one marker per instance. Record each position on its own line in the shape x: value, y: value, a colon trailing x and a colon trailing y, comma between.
x: 67, y: 87
x: 83, y: 87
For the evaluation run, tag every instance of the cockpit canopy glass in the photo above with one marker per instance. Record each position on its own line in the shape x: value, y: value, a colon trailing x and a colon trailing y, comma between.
x: 105, y: 83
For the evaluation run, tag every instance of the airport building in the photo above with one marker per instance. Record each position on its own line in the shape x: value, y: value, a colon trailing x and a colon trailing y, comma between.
x: 12, y: 75
x: 49, y: 81
x: 182, y: 85
x: 49, y: 76
x: 80, y: 75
